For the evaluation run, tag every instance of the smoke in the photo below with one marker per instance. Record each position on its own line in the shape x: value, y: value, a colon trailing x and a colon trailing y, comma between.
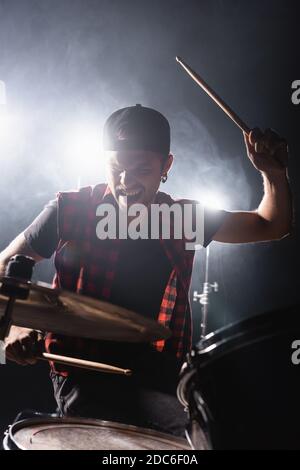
x: 202, y: 167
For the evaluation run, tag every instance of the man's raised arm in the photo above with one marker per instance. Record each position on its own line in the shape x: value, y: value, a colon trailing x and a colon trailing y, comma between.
x: 272, y: 220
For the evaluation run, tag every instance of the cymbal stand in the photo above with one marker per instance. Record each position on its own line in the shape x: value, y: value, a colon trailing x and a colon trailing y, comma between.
x: 203, y: 298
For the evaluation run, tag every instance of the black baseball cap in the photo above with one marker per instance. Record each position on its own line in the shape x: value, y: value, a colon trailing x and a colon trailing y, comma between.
x: 137, y: 128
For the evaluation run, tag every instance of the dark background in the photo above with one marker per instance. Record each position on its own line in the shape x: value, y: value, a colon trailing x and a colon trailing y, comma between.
x: 68, y: 64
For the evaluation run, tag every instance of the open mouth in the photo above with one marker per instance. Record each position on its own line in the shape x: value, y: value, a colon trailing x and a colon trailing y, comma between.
x: 132, y: 195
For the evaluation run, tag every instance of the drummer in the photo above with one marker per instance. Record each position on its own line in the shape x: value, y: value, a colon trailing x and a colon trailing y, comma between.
x: 149, y: 276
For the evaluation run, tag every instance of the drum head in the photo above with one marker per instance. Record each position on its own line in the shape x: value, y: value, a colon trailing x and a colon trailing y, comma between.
x: 86, y: 434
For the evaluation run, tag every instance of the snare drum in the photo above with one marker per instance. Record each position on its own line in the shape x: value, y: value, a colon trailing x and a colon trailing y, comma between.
x: 241, y: 386
x: 86, y: 434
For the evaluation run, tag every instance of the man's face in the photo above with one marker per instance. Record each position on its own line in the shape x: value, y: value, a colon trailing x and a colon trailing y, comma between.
x: 135, y: 175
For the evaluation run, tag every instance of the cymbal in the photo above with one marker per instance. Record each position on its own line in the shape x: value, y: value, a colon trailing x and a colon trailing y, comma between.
x: 67, y: 313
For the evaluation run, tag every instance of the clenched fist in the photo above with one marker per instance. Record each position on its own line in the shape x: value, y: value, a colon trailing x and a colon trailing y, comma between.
x: 267, y: 151
x: 22, y: 344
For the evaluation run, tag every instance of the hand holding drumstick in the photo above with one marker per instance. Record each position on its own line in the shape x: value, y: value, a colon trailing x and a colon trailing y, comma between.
x: 267, y: 151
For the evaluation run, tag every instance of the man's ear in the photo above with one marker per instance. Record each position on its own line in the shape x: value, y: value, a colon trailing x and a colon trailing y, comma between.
x: 168, y: 163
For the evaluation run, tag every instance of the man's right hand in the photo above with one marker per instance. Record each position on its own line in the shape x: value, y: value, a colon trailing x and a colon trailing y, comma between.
x: 21, y: 345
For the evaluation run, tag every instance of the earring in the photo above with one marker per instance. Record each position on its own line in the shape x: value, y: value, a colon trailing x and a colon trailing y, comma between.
x: 164, y: 178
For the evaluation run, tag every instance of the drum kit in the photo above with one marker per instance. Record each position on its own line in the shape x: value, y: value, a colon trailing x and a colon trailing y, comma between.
x: 238, y: 384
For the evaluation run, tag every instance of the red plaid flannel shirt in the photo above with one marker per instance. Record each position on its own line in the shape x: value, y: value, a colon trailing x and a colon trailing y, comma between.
x: 86, y: 265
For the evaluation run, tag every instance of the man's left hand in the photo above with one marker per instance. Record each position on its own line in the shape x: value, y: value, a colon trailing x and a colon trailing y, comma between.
x: 267, y: 151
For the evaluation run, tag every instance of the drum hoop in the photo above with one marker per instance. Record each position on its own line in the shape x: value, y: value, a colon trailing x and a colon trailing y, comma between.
x: 214, y: 354
x: 97, y: 423
x: 257, y: 322
x: 185, y: 379
x: 214, y: 346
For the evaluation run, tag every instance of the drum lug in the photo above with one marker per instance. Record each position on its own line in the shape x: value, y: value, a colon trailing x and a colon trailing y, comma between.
x: 7, y: 431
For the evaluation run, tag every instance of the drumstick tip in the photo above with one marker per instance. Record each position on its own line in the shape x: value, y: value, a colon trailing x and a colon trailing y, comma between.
x: 178, y: 59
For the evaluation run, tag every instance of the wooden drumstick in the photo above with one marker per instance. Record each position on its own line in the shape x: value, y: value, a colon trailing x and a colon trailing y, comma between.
x: 227, y: 110
x: 82, y: 363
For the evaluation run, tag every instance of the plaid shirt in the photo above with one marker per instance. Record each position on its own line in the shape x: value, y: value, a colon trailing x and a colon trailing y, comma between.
x: 87, y: 265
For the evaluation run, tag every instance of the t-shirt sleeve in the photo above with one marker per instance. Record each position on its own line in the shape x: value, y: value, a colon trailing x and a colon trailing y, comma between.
x: 213, y: 220
x: 42, y: 233
x: 200, y: 223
